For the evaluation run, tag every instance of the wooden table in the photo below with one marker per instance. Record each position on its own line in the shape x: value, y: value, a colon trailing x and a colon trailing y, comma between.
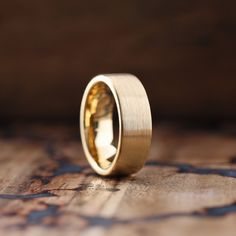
x: 187, y: 187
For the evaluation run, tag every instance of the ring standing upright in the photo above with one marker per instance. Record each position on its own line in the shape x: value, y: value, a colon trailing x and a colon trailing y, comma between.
x: 115, y: 124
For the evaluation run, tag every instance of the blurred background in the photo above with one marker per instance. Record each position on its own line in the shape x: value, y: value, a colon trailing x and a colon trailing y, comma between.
x: 182, y: 51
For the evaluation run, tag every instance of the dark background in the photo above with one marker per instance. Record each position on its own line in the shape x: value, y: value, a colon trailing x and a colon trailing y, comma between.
x: 182, y: 51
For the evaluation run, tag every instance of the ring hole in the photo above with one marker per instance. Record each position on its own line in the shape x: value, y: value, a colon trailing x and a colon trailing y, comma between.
x: 101, y: 125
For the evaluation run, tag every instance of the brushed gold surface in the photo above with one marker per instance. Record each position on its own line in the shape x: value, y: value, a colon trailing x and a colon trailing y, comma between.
x: 112, y: 151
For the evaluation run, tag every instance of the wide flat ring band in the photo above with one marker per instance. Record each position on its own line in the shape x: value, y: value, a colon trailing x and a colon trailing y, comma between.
x: 115, y: 124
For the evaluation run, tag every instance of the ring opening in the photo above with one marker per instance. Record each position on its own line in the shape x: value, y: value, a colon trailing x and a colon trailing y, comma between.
x: 101, y: 125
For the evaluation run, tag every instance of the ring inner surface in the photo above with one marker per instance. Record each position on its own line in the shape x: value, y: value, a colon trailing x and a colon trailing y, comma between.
x: 101, y: 125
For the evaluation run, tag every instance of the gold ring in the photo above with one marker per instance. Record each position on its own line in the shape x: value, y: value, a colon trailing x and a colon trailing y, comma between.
x: 115, y: 124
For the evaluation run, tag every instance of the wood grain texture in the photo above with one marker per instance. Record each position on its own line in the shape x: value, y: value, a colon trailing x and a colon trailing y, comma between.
x: 183, y: 51
x: 187, y: 187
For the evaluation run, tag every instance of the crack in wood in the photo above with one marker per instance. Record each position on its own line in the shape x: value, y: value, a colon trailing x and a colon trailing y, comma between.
x: 211, y: 212
x: 37, y: 217
x: 190, y: 169
x: 41, y: 194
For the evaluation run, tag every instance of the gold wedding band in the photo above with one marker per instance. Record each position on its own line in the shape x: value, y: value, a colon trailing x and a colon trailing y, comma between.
x: 115, y: 124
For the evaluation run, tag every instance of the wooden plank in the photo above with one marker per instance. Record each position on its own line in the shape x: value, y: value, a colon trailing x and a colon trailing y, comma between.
x: 187, y: 187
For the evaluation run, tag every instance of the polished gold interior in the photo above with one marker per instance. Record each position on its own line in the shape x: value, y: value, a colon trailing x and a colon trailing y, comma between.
x: 101, y: 124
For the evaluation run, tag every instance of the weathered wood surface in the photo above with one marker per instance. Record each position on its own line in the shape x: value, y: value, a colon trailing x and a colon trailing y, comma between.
x: 187, y: 187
